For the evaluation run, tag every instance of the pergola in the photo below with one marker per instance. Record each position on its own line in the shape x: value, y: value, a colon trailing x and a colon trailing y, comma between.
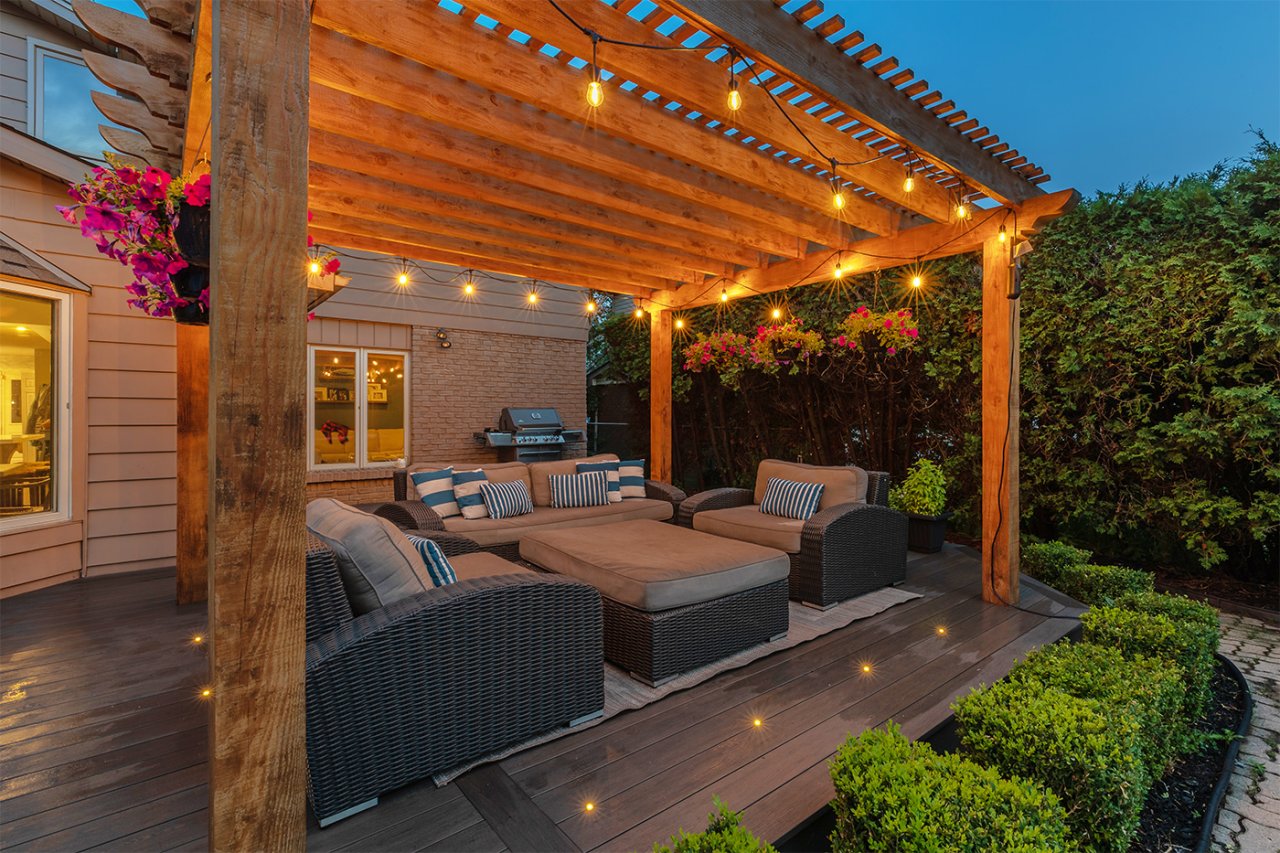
x: 462, y: 136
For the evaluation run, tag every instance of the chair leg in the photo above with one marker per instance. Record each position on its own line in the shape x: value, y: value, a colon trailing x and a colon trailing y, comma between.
x: 586, y: 718
x: 346, y: 813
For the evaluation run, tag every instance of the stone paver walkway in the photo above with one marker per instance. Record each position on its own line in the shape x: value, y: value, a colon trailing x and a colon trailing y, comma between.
x: 1250, y: 816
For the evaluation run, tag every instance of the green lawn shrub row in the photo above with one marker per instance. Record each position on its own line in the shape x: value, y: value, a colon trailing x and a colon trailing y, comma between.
x: 1098, y: 586
x: 1045, y: 561
x: 893, y: 794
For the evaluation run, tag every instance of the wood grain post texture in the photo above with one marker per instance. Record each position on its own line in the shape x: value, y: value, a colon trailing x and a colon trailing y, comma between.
x: 660, y: 395
x: 1000, y: 424
x: 257, y: 603
x: 193, y: 463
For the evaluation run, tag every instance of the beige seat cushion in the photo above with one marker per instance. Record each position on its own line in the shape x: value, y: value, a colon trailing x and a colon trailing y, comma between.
x: 504, y: 531
x: 540, y: 472
x: 841, y: 484
x: 484, y: 565
x: 749, y: 524
x: 653, y: 566
x: 378, y: 564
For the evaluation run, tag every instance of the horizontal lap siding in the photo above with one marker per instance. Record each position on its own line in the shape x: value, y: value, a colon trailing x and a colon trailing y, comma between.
x: 13, y: 79
x: 130, y: 407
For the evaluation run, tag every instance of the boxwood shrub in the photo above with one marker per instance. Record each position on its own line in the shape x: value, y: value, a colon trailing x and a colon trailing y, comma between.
x: 1170, y: 627
x: 1045, y: 561
x: 1090, y: 758
x: 1100, y: 585
x: 1148, y: 690
x: 892, y: 794
x: 724, y: 834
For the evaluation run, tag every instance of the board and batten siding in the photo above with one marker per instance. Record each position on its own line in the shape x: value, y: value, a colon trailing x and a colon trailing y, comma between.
x: 128, y: 403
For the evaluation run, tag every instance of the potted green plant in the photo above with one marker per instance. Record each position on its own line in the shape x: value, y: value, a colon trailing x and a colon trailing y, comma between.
x: 923, y: 497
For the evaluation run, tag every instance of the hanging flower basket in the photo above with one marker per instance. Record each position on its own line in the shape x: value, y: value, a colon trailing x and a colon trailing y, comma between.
x: 191, y: 232
x: 191, y: 286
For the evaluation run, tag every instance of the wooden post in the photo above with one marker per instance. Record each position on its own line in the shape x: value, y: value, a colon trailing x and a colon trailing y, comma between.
x: 1000, y: 423
x: 257, y: 393
x: 193, y: 463
x: 660, y: 395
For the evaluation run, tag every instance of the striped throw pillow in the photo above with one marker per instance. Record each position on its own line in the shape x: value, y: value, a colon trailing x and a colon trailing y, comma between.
x: 610, y: 470
x: 438, y: 567
x: 503, y: 500
x: 466, y: 491
x: 631, y: 478
x: 789, y: 499
x: 435, y: 488
x: 577, y: 490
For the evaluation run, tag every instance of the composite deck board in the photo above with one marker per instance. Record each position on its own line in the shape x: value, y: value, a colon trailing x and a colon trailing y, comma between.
x: 104, y: 745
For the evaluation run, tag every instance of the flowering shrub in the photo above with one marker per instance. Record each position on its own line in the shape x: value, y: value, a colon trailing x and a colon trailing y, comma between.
x: 894, y: 330
x: 721, y: 351
x: 785, y: 345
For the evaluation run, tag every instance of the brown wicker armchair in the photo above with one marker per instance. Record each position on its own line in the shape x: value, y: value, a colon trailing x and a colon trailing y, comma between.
x: 844, y: 550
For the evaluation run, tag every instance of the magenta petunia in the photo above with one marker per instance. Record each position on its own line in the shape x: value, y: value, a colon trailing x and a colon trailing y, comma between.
x: 198, y: 191
x: 891, y: 350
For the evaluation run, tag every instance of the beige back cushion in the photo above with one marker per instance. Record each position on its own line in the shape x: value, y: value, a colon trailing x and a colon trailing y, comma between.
x: 841, y: 485
x: 377, y: 563
x: 496, y: 472
x: 540, y: 472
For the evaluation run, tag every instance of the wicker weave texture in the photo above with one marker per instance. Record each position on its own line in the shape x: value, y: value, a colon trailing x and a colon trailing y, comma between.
x: 849, y: 550
x: 661, y: 645
x: 445, y: 676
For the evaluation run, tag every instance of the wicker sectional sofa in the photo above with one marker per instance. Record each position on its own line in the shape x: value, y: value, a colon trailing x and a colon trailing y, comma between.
x: 502, y: 536
x: 852, y: 545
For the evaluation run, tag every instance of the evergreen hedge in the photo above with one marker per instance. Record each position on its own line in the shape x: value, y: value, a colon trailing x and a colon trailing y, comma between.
x: 724, y: 834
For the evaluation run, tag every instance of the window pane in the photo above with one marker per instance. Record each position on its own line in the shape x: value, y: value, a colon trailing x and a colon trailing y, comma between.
x: 69, y: 117
x: 335, y: 402
x: 28, y: 404
x: 386, y: 407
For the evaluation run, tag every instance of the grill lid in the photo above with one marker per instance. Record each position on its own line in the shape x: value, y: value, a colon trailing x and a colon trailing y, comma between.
x: 531, y: 419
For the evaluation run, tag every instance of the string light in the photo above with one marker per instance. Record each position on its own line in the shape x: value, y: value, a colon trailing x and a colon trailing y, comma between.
x: 776, y: 313
x: 314, y: 267
x: 908, y: 183
x: 1004, y: 235
x: 595, y: 89
x: 724, y: 295
x: 837, y: 272
x: 639, y: 313
x: 917, y: 280
x: 468, y: 289
x: 591, y: 306
x: 735, y: 97
x: 679, y: 322
x: 532, y: 297
x: 403, y: 279
x: 837, y: 194
x: 962, y: 206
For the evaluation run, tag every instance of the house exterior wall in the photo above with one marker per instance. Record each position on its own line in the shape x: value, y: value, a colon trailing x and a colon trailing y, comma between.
x: 19, y: 29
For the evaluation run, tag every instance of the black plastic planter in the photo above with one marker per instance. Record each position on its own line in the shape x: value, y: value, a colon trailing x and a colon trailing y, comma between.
x: 926, y: 533
x: 189, y: 284
x: 191, y: 232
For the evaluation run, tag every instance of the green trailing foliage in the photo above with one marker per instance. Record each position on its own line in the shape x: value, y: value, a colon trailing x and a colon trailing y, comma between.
x: 1101, y: 585
x: 1169, y: 627
x: 1148, y: 690
x: 1150, y: 377
x: 923, y: 492
x: 724, y: 834
x: 895, y: 795
x: 1078, y: 748
x: 1045, y: 561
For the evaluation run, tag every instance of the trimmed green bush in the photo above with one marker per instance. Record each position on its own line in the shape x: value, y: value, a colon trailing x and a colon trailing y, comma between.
x: 1148, y: 690
x: 1101, y: 585
x: 1045, y: 561
x: 923, y: 492
x: 1090, y: 758
x: 724, y: 834
x: 892, y: 794
x: 1170, y: 627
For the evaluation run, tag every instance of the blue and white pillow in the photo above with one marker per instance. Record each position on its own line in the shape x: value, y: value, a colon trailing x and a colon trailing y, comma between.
x: 611, y: 471
x: 578, y: 490
x: 789, y: 499
x: 466, y: 491
x: 631, y: 478
x: 435, y: 488
x: 438, y: 567
x: 504, y: 500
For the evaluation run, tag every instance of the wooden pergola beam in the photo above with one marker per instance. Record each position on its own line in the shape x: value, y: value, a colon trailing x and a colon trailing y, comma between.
x: 439, y: 39
x: 758, y: 29
x: 693, y: 81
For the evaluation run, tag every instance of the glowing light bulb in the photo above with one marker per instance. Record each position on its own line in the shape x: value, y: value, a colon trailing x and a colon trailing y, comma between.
x: 838, y: 272
x: 776, y: 313
x: 591, y: 306
x: 533, y: 297
x: 402, y: 279
x: 724, y: 295
x: 1003, y: 234
x: 916, y: 281
x: 589, y: 807
x: 962, y: 211
x: 639, y: 314
x: 679, y: 322
x: 735, y: 97
x: 314, y: 267
x: 908, y: 184
x: 757, y: 722
x: 335, y: 359
x: 206, y: 693
x: 837, y: 198
x: 866, y: 669
x: 468, y: 289
x: 595, y: 94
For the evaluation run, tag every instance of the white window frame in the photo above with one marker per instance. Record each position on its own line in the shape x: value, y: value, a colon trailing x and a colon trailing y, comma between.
x: 62, y: 411
x: 362, y: 407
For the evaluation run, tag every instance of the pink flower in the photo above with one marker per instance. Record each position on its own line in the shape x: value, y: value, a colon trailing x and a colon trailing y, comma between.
x: 197, y: 192
x: 308, y: 216
x: 913, y: 333
x: 153, y: 178
x: 332, y: 266
x: 891, y: 350
x: 311, y: 241
x: 842, y: 341
x: 888, y: 324
x: 100, y: 218
x: 68, y: 213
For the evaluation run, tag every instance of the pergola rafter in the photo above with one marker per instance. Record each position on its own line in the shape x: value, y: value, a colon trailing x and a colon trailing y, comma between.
x: 462, y: 137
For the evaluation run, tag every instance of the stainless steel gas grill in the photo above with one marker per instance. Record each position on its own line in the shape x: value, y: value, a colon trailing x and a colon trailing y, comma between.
x: 528, y: 435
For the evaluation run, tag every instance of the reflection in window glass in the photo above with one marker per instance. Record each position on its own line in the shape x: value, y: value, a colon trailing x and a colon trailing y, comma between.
x: 28, y: 400
x: 68, y: 117
x: 385, y: 378
x: 335, y: 389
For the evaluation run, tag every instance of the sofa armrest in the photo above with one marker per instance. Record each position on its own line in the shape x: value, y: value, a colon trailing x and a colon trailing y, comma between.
x: 452, y: 544
x: 410, y: 516
x: 849, y: 549
x: 400, y: 484
x: 878, y: 483
x: 447, y: 676
x: 712, y: 499
x: 659, y: 491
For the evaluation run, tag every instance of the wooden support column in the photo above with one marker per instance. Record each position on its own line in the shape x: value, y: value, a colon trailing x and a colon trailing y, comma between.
x: 258, y: 415
x: 1000, y: 423
x: 660, y: 395
x: 193, y: 463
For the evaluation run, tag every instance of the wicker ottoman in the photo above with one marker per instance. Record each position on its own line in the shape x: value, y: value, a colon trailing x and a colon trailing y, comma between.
x: 674, y: 599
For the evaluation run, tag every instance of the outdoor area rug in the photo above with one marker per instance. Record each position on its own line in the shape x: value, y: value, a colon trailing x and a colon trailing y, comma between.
x: 624, y: 693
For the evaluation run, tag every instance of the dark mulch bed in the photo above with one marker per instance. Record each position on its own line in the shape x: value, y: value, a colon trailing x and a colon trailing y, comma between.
x: 1175, y: 807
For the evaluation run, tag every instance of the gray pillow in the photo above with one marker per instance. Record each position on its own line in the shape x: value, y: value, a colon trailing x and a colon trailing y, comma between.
x: 377, y: 563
